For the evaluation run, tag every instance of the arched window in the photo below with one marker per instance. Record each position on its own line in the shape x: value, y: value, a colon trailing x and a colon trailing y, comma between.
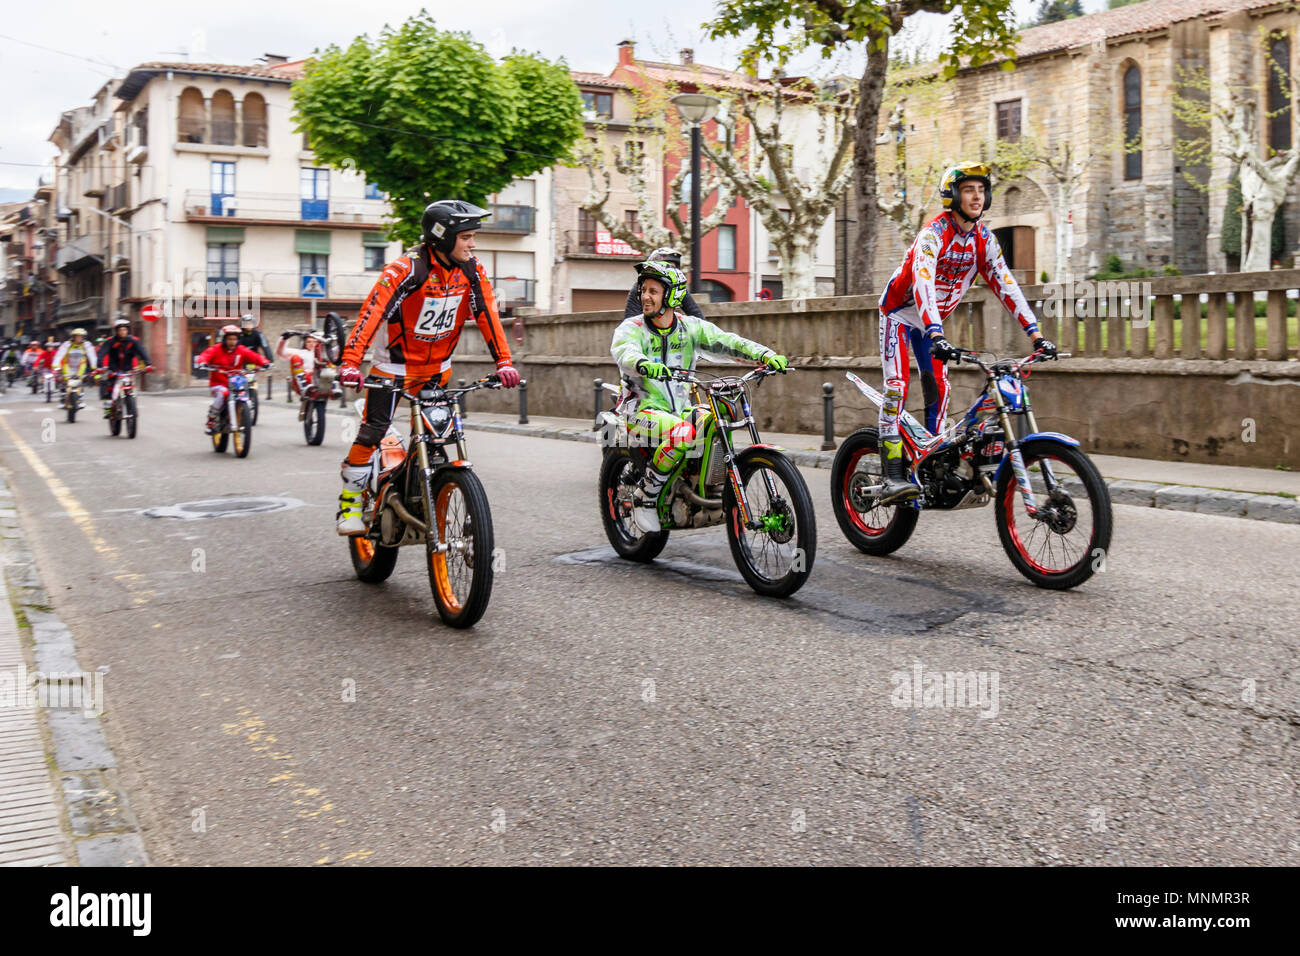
x: 1132, y: 123
x: 223, y: 118
x: 712, y: 291
x: 1279, y: 92
x: 192, y: 119
x: 254, y: 133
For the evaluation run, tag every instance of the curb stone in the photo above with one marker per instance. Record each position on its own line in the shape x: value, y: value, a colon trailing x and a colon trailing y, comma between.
x: 1143, y: 494
x: 104, y: 831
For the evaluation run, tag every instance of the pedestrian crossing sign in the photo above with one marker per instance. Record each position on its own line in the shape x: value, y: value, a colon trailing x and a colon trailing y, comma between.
x: 313, y: 287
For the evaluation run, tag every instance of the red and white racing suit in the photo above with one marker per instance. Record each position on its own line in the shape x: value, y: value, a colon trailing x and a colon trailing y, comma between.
x: 302, y: 365
x: 229, y: 361
x: 935, y: 274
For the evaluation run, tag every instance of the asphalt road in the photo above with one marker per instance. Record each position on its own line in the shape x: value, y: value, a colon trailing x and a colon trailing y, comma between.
x: 609, y: 713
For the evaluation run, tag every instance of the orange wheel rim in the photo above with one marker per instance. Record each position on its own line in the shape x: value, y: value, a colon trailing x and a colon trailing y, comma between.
x: 365, y: 548
x: 441, y: 577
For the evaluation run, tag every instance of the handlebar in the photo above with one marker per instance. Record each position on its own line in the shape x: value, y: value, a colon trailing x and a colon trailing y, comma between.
x: 689, y: 375
x: 972, y: 356
x: 207, y: 367
x: 489, y: 381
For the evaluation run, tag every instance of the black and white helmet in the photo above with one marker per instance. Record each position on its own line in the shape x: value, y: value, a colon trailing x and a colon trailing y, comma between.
x: 444, y: 220
x: 666, y: 254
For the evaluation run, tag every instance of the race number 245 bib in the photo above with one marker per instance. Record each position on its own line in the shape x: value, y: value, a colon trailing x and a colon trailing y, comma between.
x: 437, y: 316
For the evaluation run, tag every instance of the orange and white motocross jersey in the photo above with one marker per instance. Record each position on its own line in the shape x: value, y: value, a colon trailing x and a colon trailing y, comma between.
x: 414, y: 326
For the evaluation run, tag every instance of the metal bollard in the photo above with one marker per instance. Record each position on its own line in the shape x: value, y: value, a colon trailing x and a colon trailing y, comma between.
x: 828, y: 417
x: 270, y: 390
x: 523, y: 401
x: 464, y: 411
x: 595, y: 419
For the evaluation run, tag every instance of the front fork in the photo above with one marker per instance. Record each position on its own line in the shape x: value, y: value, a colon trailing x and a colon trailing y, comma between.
x: 1013, y: 449
x: 733, y: 470
x: 420, y: 436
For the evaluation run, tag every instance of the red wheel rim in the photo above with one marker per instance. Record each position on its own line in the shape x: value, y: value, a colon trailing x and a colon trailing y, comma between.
x: 855, y: 516
x: 1010, y: 500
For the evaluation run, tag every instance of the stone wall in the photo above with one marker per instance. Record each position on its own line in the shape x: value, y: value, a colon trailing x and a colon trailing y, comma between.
x: 1129, y: 404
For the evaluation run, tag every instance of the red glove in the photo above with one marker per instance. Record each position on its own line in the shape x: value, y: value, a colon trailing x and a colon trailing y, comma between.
x: 509, y: 377
x: 350, y: 376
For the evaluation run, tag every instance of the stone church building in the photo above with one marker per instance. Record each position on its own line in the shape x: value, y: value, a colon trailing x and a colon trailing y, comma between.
x: 1110, y: 78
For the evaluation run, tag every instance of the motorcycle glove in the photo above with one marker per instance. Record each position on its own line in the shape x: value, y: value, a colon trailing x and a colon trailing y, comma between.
x: 1047, y: 347
x: 652, y: 370
x: 944, y: 350
x: 777, y: 363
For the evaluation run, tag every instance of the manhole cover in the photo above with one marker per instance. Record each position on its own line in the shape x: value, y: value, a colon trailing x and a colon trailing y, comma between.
x: 222, y: 508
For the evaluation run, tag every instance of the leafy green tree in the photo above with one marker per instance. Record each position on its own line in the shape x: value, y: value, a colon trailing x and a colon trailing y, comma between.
x: 428, y: 114
x: 982, y: 31
x: 1053, y: 11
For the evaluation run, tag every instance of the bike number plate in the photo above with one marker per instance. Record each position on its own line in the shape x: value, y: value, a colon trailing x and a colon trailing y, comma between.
x: 437, y: 317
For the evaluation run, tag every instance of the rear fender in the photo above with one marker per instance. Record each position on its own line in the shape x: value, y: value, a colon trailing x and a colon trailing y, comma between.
x: 866, y: 389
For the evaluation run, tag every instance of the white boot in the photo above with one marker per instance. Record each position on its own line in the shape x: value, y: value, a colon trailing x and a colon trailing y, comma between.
x: 644, y: 500
x: 349, y: 515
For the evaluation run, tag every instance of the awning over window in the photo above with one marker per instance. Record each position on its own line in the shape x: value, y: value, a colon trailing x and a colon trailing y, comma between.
x: 373, y: 239
x: 312, y: 241
x: 225, y: 234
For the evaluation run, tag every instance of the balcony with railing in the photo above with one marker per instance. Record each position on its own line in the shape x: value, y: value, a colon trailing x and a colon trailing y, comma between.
x: 278, y: 285
x: 80, y: 252
x: 513, y: 293
x: 515, y: 220
x: 284, y: 207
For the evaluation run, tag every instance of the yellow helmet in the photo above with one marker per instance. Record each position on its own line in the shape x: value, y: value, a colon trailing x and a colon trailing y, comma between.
x: 957, y: 175
x: 78, y: 331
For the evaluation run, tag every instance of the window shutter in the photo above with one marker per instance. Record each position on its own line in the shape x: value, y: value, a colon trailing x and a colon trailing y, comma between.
x: 311, y: 241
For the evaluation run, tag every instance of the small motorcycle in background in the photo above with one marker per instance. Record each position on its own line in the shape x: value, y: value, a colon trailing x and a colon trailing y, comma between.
x: 122, y: 411
x: 72, y: 397
x: 235, y: 420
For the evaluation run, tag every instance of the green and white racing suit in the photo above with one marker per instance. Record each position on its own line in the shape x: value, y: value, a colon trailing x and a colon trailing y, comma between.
x: 661, y: 410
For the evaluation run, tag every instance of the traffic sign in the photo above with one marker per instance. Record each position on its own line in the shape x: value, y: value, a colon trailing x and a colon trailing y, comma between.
x: 151, y: 313
x: 313, y: 287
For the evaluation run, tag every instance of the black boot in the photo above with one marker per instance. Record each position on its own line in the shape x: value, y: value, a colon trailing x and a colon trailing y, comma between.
x: 897, y: 486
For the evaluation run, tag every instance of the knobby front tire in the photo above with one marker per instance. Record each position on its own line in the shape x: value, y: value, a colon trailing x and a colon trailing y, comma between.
x: 775, y: 561
x: 461, y: 576
x: 1068, y: 552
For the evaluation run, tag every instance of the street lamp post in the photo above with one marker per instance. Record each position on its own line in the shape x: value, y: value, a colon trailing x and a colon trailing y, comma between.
x: 695, y: 108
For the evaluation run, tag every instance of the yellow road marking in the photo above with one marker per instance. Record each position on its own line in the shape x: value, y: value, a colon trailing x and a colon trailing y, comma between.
x: 79, y: 515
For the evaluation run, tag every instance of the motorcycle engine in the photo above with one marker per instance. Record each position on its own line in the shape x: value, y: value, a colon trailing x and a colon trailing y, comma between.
x: 391, y: 527
x: 948, y: 481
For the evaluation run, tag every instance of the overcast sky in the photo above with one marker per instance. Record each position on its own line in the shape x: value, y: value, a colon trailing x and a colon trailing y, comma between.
x: 97, y: 40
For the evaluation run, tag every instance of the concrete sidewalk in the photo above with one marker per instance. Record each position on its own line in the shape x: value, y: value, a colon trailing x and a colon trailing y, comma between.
x: 1264, y: 495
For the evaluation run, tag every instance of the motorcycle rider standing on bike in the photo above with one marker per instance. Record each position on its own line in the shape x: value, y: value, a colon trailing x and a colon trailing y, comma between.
x: 303, y: 362
x: 924, y: 290
x: 229, y: 356
x: 414, y: 316
x: 120, y: 354
x: 645, y: 347
x: 668, y: 256
x: 75, y: 357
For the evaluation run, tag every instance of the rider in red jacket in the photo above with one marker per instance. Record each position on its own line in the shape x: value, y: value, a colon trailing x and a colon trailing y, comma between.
x: 229, y: 356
